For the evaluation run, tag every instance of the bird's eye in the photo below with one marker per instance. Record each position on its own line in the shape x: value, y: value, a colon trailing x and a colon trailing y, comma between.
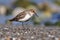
x: 33, y: 11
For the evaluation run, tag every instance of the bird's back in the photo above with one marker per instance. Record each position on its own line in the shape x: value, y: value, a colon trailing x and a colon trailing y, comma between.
x: 19, y: 16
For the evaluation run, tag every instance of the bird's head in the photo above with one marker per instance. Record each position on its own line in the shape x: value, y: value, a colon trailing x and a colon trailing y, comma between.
x: 33, y: 11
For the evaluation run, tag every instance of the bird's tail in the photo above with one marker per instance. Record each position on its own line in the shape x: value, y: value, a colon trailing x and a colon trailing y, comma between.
x: 9, y: 21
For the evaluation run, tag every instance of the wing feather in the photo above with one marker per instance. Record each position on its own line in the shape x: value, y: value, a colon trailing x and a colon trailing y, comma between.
x: 19, y: 16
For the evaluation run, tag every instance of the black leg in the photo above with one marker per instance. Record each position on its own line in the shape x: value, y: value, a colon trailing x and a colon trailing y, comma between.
x: 26, y: 23
x: 22, y: 24
x: 31, y: 22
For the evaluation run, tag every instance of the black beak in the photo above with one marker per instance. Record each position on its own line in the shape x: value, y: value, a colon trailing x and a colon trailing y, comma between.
x: 36, y: 14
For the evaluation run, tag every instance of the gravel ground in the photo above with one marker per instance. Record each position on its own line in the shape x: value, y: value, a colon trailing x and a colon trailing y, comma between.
x: 17, y: 32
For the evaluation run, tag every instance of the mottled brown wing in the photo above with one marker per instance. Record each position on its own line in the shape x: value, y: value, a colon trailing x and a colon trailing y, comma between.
x: 19, y: 16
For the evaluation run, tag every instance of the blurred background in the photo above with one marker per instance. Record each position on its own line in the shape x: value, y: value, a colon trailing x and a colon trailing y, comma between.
x: 48, y: 11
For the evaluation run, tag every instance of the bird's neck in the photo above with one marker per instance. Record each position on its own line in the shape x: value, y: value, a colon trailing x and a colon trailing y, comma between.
x: 30, y: 13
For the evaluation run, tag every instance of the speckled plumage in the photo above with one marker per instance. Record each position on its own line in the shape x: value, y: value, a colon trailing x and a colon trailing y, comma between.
x: 23, y: 16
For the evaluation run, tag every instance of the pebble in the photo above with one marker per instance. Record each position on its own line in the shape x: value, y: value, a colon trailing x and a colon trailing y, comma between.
x: 28, y: 33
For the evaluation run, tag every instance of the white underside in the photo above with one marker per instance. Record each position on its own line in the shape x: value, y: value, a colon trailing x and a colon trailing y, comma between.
x: 28, y: 16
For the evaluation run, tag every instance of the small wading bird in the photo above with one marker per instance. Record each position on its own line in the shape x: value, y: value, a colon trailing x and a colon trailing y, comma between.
x: 24, y: 16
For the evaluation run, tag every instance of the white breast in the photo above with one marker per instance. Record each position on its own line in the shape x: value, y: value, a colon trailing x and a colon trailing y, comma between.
x: 27, y: 17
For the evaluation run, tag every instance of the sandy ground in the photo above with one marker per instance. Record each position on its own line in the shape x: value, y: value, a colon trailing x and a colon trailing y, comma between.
x: 29, y: 32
